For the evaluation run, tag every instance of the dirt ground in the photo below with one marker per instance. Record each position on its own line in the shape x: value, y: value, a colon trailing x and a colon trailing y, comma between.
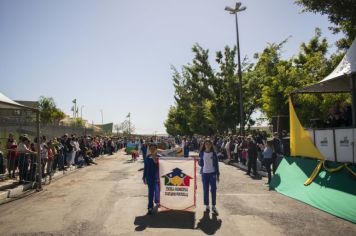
x: 110, y: 199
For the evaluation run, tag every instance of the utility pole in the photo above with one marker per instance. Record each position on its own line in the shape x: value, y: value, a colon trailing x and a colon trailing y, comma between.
x: 234, y: 11
x: 81, y: 112
x: 74, y: 108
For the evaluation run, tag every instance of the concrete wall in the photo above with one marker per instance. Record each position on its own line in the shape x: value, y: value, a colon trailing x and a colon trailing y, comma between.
x: 50, y: 131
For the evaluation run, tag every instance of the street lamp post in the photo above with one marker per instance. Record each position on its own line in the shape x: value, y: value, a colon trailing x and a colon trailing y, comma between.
x: 234, y: 11
x: 81, y: 117
x: 81, y: 112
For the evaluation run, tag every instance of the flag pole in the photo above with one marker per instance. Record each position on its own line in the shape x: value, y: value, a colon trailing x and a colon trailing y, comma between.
x: 129, y: 124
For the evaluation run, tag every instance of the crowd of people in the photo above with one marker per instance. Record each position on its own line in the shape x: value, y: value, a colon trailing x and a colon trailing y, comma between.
x: 59, y: 154
x: 255, y: 151
x: 340, y: 115
x: 56, y: 154
x: 246, y: 150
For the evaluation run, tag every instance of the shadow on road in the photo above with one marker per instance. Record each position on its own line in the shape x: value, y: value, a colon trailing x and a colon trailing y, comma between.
x: 209, y: 225
x: 166, y: 219
x: 276, y: 181
x: 258, y: 177
x: 128, y: 162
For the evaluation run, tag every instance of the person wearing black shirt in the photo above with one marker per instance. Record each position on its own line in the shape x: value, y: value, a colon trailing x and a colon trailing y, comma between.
x: 277, y: 150
x: 252, y: 156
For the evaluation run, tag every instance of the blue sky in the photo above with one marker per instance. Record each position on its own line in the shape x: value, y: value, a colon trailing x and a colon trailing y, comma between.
x: 116, y: 55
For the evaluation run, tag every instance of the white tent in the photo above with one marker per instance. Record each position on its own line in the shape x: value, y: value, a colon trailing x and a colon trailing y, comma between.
x: 340, y: 79
x: 7, y: 103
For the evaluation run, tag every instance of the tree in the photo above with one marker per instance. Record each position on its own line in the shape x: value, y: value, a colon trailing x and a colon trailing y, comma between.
x: 207, y: 100
x: 49, y: 113
x: 273, y: 80
x: 125, y: 127
x: 341, y: 13
x: 278, y: 77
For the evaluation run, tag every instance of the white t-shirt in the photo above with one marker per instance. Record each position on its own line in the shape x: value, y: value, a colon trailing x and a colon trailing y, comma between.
x: 44, y: 151
x: 227, y: 146
x: 76, y: 146
x: 21, y: 148
x: 208, y: 163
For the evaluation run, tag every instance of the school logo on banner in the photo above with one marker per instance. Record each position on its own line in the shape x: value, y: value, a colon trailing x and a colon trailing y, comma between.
x: 177, y: 183
x: 177, y: 178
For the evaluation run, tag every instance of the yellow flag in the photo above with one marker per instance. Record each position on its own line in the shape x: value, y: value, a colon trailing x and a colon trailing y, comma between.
x: 300, y: 142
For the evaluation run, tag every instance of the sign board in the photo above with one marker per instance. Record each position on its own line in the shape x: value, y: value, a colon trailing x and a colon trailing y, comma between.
x: 344, y: 139
x: 177, y: 183
x: 324, y: 141
x: 130, y: 147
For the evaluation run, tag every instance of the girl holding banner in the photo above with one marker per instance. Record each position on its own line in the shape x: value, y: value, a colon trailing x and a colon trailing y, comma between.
x: 151, y: 176
x: 210, y: 173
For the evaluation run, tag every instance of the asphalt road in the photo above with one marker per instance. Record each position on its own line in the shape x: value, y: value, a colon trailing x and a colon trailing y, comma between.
x: 110, y: 199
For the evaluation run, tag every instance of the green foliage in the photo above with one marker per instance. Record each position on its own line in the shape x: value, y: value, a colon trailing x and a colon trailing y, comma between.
x: 342, y: 13
x: 207, y: 100
x: 49, y: 113
x: 77, y: 122
x: 281, y: 77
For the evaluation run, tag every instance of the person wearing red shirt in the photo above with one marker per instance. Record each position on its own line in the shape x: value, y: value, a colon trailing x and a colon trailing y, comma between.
x: 50, y: 158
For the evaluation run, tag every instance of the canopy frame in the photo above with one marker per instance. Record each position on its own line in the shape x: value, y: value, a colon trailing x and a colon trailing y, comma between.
x: 352, y: 90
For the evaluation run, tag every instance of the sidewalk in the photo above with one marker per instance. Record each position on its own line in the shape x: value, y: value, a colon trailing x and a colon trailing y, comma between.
x: 238, y: 165
x: 10, y: 189
x: 244, y: 168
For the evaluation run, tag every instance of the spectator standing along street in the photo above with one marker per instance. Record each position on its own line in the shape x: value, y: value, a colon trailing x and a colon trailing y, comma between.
x: 11, y: 147
x: 252, y: 156
x: 267, y: 154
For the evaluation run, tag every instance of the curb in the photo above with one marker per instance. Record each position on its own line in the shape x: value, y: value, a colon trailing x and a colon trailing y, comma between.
x: 244, y: 168
x: 14, y: 184
x: 13, y: 191
x: 20, y: 191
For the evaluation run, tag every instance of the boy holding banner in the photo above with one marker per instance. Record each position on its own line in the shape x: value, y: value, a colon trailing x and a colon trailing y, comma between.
x: 210, y: 173
x: 151, y: 176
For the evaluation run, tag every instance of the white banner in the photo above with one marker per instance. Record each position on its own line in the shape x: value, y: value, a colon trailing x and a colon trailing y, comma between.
x: 344, y: 145
x: 324, y: 141
x: 177, y: 183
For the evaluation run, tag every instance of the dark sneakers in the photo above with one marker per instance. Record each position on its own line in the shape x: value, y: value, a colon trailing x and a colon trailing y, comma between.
x: 150, y: 211
x: 215, y: 211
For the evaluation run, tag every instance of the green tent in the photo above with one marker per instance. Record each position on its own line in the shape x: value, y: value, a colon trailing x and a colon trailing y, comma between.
x: 334, y: 193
